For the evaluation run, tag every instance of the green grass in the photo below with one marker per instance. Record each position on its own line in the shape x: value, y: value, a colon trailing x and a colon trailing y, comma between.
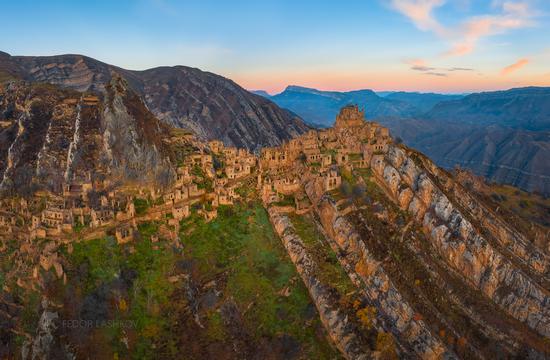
x: 332, y: 152
x: 30, y: 315
x: 102, y: 258
x: 215, y: 328
x: 246, y: 191
x: 239, y: 247
x: 242, y: 244
x: 141, y: 206
x: 286, y: 200
x: 330, y: 270
x: 203, y: 181
x: 6, y: 263
x: 152, y: 264
x: 77, y: 228
x: 528, y: 206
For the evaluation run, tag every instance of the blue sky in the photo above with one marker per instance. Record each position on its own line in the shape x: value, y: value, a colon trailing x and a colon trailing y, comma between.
x: 425, y: 45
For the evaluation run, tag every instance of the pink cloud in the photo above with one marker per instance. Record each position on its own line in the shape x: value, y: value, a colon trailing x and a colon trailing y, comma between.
x: 464, y: 38
x: 419, y: 65
x: 420, y: 13
x: 423, y: 67
x: 514, y: 67
x: 514, y: 16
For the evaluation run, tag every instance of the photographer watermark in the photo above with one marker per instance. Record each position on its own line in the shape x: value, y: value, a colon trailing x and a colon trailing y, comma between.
x: 88, y: 324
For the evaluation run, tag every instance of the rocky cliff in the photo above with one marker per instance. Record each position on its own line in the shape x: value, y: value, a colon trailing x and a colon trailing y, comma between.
x: 51, y: 136
x: 208, y: 104
x: 501, y: 154
x: 343, y: 332
x: 501, y: 264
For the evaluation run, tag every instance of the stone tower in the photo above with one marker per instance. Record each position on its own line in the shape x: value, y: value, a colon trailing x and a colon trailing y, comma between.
x: 350, y: 116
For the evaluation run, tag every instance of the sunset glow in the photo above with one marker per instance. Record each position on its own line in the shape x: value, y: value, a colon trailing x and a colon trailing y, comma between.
x: 417, y: 45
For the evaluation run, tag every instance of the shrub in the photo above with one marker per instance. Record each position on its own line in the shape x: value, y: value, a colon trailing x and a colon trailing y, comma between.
x: 345, y: 188
x: 386, y: 345
x: 141, y: 206
x: 366, y: 316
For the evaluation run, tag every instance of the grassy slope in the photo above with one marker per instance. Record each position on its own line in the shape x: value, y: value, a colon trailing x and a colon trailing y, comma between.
x: 238, y: 250
x: 241, y: 244
x: 529, y: 206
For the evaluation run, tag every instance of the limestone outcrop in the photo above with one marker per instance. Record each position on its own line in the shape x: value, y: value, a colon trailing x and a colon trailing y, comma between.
x: 335, y: 321
x: 398, y: 315
x: 463, y: 244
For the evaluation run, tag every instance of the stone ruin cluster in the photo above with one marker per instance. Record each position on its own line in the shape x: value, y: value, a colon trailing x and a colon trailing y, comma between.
x: 279, y: 171
x: 207, y: 178
x: 351, y: 144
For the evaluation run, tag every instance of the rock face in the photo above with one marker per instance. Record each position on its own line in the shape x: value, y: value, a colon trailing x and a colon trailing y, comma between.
x: 52, y: 136
x: 41, y: 345
x: 412, y: 333
x: 217, y: 108
x: 449, y: 217
x: 208, y: 104
x: 503, y: 154
x: 336, y: 322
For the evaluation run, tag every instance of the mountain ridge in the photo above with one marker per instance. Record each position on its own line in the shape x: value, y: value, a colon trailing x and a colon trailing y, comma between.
x: 204, y: 102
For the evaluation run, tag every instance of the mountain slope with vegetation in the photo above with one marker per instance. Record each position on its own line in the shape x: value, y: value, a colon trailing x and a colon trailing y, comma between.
x: 122, y: 236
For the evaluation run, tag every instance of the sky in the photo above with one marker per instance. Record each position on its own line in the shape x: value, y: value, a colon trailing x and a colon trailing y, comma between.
x: 449, y: 46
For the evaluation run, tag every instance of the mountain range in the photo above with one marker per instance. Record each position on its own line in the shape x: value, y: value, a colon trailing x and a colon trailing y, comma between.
x: 502, y: 135
x: 210, y: 105
x: 321, y: 107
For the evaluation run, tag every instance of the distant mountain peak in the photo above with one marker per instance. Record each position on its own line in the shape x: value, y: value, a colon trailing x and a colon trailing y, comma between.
x: 263, y: 93
x: 299, y: 88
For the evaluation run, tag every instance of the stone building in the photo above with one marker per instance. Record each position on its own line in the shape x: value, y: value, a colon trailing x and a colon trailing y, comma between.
x: 215, y: 146
x: 349, y: 116
x: 332, y: 180
x: 180, y: 211
x: 102, y: 216
x: 124, y: 234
